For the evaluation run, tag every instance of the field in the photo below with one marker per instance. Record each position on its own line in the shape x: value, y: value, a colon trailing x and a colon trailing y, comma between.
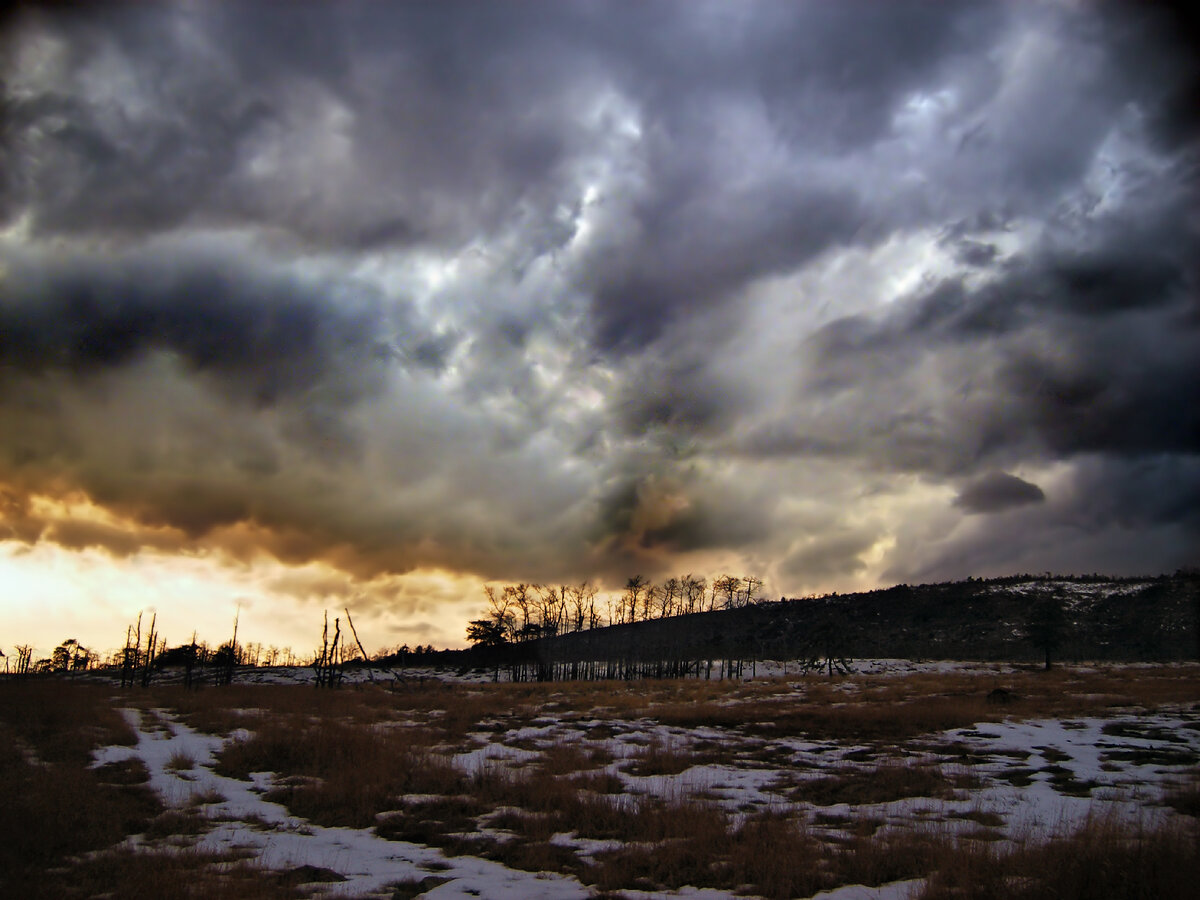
x: 1077, y: 782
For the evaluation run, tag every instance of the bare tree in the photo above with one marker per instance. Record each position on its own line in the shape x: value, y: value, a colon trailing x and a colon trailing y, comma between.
x: 189, y: 663
x: 500, y: 606
x: 578, y: 605
x: 615, y: 606
x: 129, y: 656
x: 693, y: 591
x: 354, y: 631
x: 591, y: 614
x: 151, y: 648
x: 672, y: 597
x: 225, y: 675
x: 551, y: 605
x: 634, y: 588
x: 252, y: 654
x: 751, y: 586
x: 521, y: 596
x: 650, y: 601
x: 328, y: 659
x: 728, y: 587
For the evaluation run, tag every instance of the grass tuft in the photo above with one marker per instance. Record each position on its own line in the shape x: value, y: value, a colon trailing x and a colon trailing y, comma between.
x: 180, y: 762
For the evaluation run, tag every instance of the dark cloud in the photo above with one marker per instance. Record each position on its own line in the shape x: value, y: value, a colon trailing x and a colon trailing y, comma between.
x: 1163, y: 39
x: 263, y: 334
x: 697, y: 251
x: 558, y: 290
x: 675, y: 395
x: 997, y: 491
x: 976, y: 253
x: 645, y: 520
x: 1103, y: 514
x: 1061, y: 351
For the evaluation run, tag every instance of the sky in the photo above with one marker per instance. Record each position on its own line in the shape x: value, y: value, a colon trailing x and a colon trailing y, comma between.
x: 314, y: 306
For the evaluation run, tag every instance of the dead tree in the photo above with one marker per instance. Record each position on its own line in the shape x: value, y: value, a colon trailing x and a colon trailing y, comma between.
x: 24, y: 653
x: 366, y: 659
x: 151, y: 647
x: 129, y: 658
x: 189, y: 663
x: 327, y: 664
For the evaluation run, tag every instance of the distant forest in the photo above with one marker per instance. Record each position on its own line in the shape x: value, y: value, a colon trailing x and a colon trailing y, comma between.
x: 544, y: 634
x: 689, y: 627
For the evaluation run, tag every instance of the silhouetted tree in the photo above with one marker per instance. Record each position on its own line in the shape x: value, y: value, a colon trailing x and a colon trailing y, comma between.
x: 487, y: 633
x: 327, y: 664
x: 728, y: 587
x: 751, y: 587
x: 1046, y: 626
x: 224, y: 656
x: 669, y: 600
x: 70, y: 656
x: 521, y: 597
x: 634, y: 588
x: 693, y: 593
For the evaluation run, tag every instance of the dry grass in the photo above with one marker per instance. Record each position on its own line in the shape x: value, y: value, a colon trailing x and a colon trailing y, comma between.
x: 61, y: 721
x: 141, y: 875
x: 54, y: 806
x: 771, y: 855
x: 598, y: 782
x: 174, y: 822
x: 885, y: 783
x: 661, y: 758
x: 665, y: 844
x: 348, y: 774
x: 569, y: 758
x: 53, y: 811
x: 897, y: 709
x: 1185, y: 798
x: 1103, y: 860
x: 181, y: 762
x: 437, y: 823
x: 874, y: 718
x: 672, y: 843
x: 379, y: 756
x: 445, y: 713
x: 126, y: 771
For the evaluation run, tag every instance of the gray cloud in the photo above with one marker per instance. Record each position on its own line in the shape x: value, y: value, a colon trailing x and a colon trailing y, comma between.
x: 1064, y: 350
x: 1102, y: 514
x: 262, y: 333
x: 560, y: 290
x: 829, y: 556
x: 997, y: 491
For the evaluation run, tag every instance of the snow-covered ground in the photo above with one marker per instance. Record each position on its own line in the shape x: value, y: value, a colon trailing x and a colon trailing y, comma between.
x: 282, y: 841
x: 1027, y: 778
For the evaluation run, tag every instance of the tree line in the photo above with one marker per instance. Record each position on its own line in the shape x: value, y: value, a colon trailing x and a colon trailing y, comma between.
x: 523, y: 612
x: 526, y: 633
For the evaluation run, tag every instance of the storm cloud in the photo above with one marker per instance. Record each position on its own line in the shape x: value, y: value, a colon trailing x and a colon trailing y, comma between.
x: 552, y: 291
x: 996, y: 491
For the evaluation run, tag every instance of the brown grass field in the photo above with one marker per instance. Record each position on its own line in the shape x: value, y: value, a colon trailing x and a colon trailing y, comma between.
x: 774, y: 788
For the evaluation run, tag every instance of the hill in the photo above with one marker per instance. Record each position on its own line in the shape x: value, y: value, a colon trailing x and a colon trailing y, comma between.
x: 1094, y: 618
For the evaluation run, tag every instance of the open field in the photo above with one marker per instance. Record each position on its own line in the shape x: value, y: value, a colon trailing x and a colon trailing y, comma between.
x: 1085, y: 782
